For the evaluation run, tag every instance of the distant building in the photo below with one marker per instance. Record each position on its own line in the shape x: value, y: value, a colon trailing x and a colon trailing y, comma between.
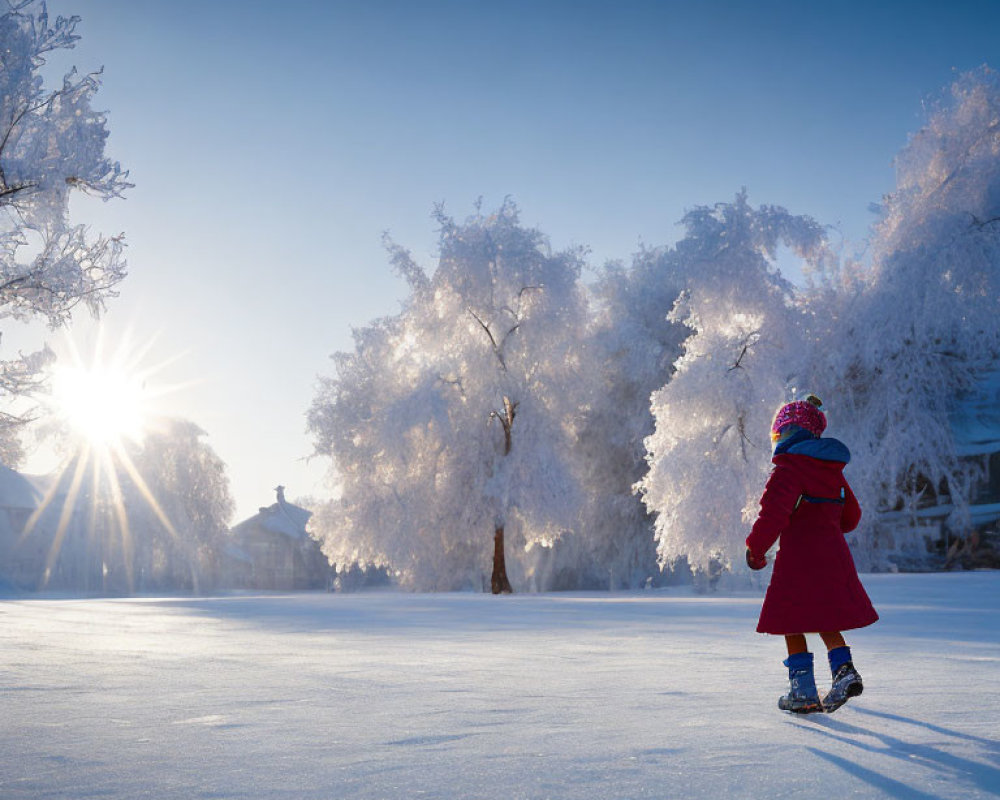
x: 975, y: 424
x: 272, y: 550
x: 42, y: 543
x: 22, y: 561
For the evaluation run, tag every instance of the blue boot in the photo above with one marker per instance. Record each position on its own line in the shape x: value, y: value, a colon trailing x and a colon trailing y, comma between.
x: 802, y: 697
x: 846, y: 680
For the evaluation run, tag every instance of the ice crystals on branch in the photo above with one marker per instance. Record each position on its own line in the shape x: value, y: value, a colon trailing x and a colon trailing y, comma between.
x: 51, y: 143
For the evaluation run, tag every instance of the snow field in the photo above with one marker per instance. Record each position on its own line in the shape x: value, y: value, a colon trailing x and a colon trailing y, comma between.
x: 660, y: 694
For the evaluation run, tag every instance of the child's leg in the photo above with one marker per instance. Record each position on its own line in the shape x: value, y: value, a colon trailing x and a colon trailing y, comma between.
x: 846, y: 680
x: 837, y: 650
x: 802, y: 697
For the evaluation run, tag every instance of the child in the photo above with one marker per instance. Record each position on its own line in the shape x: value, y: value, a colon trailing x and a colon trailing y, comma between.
x: 814, y: 587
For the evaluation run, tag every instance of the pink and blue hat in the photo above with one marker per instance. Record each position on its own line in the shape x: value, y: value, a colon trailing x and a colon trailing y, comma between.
x: 806, y: 414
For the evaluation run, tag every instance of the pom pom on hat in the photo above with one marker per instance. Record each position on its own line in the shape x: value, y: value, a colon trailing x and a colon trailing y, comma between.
x: 806, y: 414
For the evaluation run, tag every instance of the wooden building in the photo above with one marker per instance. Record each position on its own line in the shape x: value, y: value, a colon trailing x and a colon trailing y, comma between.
x: 273, y: 550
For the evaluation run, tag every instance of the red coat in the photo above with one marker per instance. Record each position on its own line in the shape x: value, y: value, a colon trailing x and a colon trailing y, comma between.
x: 815, y: 585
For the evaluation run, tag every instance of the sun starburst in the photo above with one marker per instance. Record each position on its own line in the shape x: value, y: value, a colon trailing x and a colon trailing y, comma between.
x: 103, y: 406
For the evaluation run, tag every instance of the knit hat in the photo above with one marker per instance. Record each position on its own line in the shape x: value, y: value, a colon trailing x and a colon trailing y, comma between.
x: 804, y: 413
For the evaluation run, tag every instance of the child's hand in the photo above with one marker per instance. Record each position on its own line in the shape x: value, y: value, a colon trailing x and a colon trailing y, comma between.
x: 755, y: 563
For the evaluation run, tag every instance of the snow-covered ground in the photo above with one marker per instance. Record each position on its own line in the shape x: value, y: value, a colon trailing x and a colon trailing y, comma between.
x: 649, y: 695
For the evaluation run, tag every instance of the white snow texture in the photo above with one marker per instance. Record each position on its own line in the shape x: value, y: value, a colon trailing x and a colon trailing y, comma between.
x: 659, y: 694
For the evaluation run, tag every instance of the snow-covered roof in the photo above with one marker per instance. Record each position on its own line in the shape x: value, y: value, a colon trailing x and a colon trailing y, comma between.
x: 976, y: 420
x: 287, y: 519
x: 282, y: 518
x: 17, y: 490
x: 979, y: 515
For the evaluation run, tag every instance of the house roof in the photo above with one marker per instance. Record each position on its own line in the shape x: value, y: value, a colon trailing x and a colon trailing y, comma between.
x: 17, y: 490
x: 282, y: 517
x: 976, y: 420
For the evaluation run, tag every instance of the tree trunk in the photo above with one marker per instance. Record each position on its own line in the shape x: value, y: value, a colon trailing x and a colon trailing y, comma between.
x: 499, y: 582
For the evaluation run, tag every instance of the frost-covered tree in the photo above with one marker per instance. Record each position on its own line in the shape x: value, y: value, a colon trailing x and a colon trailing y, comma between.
x: 135, y: 515
x: 630, y: 351
x: 176, y: 492
x: 709, y: 454
x: 893, y: 346
x: 51, y: 144
x: 923, y: 327
x: 448, y: 425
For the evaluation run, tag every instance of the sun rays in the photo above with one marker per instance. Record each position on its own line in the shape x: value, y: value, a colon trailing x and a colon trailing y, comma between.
x: 102, y: 407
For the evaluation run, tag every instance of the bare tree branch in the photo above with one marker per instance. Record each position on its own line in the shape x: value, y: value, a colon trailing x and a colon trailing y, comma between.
x: 748, y: 342
x: 497, y: 348
x: 982, y: 223
x: 506, y: 418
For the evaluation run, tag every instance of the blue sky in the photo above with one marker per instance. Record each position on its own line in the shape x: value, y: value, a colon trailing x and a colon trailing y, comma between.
x: 272, y: 144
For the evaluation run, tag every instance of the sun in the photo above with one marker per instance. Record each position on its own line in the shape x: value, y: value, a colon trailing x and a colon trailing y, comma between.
x: 102, y: 403
x: 105, y: 399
